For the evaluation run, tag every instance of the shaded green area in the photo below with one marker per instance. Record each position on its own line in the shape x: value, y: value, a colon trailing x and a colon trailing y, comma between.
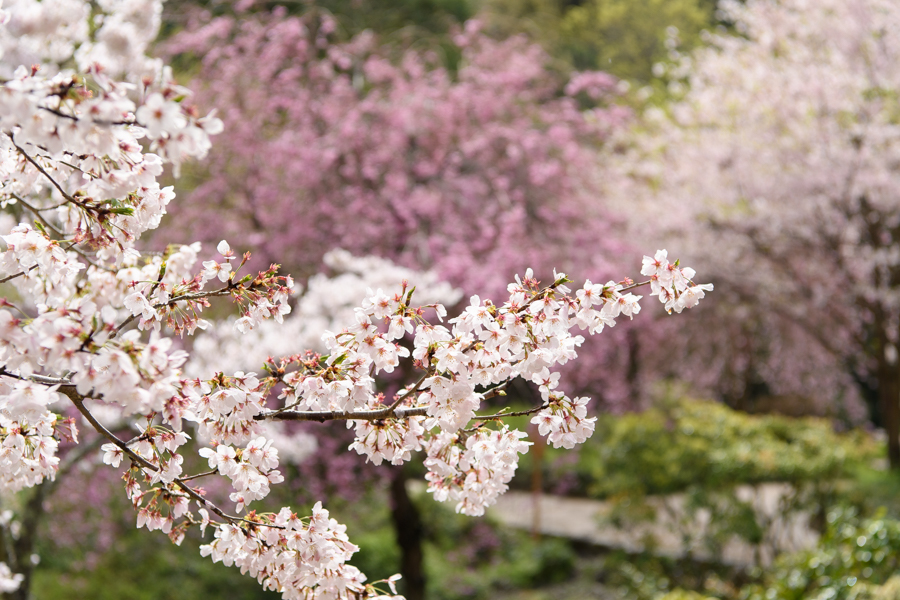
x: 465, y: 558
x: 141, y: 566
x: 623, y: 37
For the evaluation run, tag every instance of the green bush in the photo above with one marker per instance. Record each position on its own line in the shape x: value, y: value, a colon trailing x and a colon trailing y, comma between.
x: 855, y: 559
x: 687, y: 444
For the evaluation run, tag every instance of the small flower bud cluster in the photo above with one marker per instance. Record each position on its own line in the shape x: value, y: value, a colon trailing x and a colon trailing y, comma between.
x: 475, y: 474
x: 672, y: 284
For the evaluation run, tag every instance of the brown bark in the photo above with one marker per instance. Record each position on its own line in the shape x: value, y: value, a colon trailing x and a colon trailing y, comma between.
x: 889, y: 400
x: 408, y: 527
x: 537, y: 483
x: 17, y: 552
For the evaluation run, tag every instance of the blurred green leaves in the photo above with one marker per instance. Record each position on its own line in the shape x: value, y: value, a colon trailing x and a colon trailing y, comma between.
x: 684, y: 444
x: 622, y: 37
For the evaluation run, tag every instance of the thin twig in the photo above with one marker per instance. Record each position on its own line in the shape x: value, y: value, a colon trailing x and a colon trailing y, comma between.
x: 68, y: 389
x: 19, y: 274
x: 173, y: 300
x: 199, y: 475
x: 78, y: 401
x: 518, y: 413
x: 37, y: 166
x: 37, y: 214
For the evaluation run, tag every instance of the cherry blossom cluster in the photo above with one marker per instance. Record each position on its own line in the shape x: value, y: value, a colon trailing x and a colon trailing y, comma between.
x: 564, y: 421
x: 250, y: 469
x: 672, y: 284
x: 475, y: 472
x: 391, y: 439
x: 49, y: 271
x: 300, y: 559
x: 225, y: 407
x: 77, y: 155
x: 9, y: 581
x: 157, y: 501
x: 27, y: 434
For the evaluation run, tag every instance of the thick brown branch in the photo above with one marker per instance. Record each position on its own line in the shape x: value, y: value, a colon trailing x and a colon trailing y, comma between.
x: 337, y: 415
x: 388, y: 412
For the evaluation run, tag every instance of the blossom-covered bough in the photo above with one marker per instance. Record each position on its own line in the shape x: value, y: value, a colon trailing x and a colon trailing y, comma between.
x: 87, y: 123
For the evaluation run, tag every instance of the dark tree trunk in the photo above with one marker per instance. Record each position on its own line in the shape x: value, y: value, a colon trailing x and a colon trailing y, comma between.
x: 537, y: 480
x: 891, y: 411
x: 889, y: 400
x: 17, y: 552
x: 408, y: 526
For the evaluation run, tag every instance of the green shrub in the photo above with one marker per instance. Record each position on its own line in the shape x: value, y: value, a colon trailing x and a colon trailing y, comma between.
x: 688, y: 444
x: 856, y: 558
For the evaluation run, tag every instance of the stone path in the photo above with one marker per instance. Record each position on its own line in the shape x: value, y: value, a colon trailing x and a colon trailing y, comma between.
x: 589, y: 521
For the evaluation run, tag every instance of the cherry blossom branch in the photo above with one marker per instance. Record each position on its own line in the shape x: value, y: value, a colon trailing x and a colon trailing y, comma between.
x: 37, y: 213
x: 19, y: 274
x: 78, y: 400
x: 518, y: 413
x: 68, y: 389
x: 337, y: 415
x: 389, y: 412
x: 175, y: 299
x: 37, y: 166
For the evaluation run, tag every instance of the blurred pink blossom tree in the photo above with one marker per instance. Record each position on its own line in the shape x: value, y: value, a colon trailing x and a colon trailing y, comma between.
x: 782, y: 156
x: 473, y: 173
